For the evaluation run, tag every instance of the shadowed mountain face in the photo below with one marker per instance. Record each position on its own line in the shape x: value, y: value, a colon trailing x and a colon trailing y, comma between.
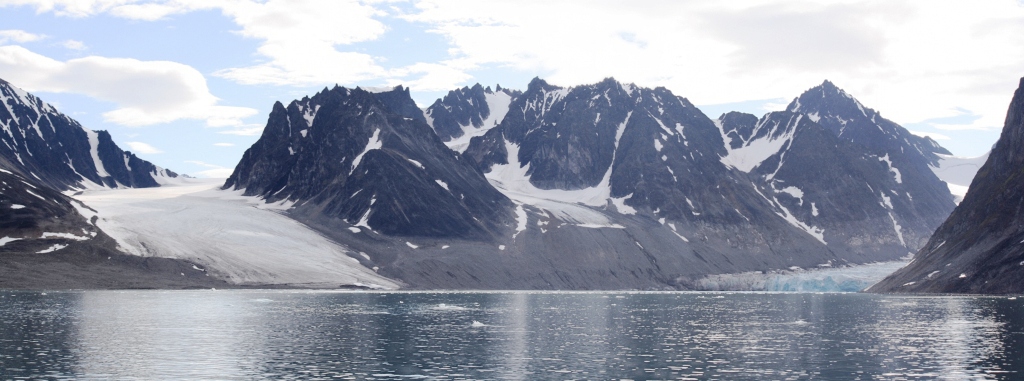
x: 907, y: 154
x: 980, y: 247
x: 850, y: 193
x: 369, y: 159
x: 41, y: 143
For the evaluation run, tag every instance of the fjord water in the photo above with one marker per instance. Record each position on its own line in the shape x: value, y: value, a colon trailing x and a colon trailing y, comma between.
x: 236, y: 335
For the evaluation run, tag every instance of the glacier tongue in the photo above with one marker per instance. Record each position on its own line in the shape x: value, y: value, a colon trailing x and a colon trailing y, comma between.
x: 827, y: 279
x: 242, y: 239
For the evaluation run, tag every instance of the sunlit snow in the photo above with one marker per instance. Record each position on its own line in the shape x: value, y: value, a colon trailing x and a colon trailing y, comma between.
x: 242, y: 239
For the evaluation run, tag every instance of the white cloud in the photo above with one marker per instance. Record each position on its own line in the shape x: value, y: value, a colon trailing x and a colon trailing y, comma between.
x: 70, y: 8
x: 299, y: 39
x: 246, y: 130
x: 74, y: 45
x: 143, y: 148
x: 912, y: 60
x: 214, y: 171
x: 933, y: 135
x: 146, y: 92
x: 965, y: 127
x: 19, y: 36
x: 434, y: 77
x: 224, y: 144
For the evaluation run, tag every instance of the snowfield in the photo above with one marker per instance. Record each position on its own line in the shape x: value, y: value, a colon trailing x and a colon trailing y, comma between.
x: 240, y: 239
x: 958, y: 172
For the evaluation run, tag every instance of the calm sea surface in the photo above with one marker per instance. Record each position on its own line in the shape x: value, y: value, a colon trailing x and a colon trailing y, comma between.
x: 244, y: 335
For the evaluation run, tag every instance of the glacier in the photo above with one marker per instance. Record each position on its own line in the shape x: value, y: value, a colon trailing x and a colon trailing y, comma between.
x: 822, y: 279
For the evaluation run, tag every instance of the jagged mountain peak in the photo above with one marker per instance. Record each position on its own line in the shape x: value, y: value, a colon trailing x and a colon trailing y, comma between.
x: 467, y: 112
x: 827, y: 99
x: 42, y: 143
x: 370, y: 160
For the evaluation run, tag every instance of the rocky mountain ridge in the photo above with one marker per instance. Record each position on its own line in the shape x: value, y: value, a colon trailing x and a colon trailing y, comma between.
x: 980, y: 247
x: 42, y: 143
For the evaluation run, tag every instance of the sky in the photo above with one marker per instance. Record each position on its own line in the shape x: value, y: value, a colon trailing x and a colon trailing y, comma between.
x: 188, y: 84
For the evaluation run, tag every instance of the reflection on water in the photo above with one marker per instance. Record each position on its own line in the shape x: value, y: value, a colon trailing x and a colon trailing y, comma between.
x: 173, y: 335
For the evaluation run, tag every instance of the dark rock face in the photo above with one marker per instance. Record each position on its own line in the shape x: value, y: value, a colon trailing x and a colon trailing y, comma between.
x: 367, y: 159
x: 897, y: 172
x: 847, y: 197
x: 738, y: 128
x: 468, y: 112
x: 41, y: 143
x: 28, y: 209
x: 979, y: 248
x: 908, y: 154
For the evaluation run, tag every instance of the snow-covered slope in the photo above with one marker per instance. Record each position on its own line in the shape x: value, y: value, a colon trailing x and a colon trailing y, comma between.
x: 40, y: 142
x: 240, y: 239
x: 958, y: 172
x: 467, y: 113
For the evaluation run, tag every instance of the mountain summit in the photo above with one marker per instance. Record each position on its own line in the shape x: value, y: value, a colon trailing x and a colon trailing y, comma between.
x: 371, y: 160
x: 41, y: 143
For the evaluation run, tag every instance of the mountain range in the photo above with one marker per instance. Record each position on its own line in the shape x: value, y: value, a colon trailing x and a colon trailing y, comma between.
x: 607, y: 185
x: 601, y: 186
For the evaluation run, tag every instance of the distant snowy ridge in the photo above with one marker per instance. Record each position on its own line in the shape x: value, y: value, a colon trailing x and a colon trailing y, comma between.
x: 958, y: 172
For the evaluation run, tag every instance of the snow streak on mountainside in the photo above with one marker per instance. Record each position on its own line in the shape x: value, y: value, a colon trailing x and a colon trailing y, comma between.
x: 980, y: 247
x: 908, y: 156
x: 36, y: 219
x: 228, y: 236
x: 371, y: 160
x: 50, y: 147
x: 600, y: 186
x: 828, y: 186
x: 842, y: 172
x: 639, y: 151
x: 468, y: 112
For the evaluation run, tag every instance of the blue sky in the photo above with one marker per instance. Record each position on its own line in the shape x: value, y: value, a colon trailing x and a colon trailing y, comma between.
x: 188, y: 84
